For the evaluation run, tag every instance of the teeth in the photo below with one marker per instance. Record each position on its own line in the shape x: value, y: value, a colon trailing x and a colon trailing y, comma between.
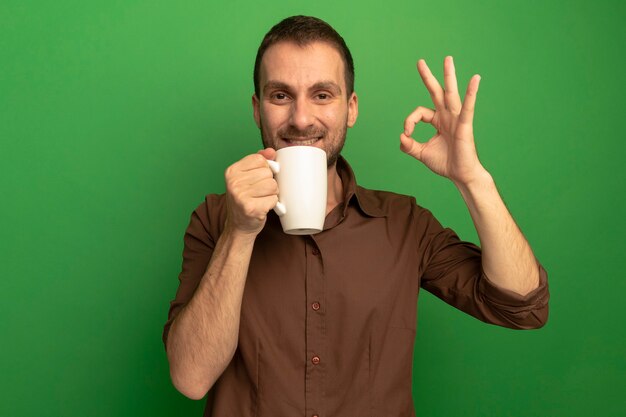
x: 303, y: 142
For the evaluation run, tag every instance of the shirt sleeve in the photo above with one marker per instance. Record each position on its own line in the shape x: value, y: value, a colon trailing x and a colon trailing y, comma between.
x: 197, y: 252
x: 452, y: 270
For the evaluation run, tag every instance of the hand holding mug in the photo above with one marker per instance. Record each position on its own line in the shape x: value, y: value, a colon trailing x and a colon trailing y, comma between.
x: 251, y: 192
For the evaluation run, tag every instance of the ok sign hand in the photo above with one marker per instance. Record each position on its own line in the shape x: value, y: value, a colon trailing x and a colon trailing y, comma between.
x: 451, y: 152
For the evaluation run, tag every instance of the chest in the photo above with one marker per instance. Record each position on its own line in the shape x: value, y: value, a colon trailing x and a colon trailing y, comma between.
x: 355, y: 272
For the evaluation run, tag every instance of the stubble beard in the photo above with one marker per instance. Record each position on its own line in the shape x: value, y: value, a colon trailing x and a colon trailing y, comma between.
x: 332, y: 146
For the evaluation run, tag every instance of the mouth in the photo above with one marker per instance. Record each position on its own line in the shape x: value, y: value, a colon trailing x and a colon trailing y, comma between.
x: 301, y: 141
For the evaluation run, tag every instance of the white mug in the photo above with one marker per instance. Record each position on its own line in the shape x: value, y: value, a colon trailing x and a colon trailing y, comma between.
x: 301, y: 174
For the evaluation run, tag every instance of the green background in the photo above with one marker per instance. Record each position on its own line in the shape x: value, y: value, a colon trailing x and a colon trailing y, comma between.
x: 117, y: 118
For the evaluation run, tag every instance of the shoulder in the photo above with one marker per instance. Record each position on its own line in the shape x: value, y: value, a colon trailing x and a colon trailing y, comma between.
x: 387, y: 203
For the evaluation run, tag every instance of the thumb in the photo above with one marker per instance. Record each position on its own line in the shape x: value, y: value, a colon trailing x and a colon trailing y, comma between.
x: 410, y: 146
x: 268, y: 153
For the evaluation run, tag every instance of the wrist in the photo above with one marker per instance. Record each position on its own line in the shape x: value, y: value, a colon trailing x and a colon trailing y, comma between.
x: 479, y: 178
x: 477, y: 184
x: 236, y: 234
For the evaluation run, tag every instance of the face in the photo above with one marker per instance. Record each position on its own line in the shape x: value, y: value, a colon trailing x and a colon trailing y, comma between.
x: 303, y: 98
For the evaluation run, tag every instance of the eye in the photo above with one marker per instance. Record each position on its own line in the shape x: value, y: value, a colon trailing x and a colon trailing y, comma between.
x: 323, y: 96
x: 279, y: 96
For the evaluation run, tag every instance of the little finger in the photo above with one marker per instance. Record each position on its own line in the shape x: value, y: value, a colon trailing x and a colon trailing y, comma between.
x: 467, y: 111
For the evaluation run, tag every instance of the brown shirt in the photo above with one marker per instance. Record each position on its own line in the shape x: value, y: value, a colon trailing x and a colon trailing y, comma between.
x: 328, y: 321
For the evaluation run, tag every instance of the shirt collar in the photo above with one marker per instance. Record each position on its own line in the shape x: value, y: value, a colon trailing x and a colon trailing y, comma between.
x: 354, y: 194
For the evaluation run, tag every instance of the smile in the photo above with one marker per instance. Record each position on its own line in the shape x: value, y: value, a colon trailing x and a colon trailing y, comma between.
x: 301, y: 142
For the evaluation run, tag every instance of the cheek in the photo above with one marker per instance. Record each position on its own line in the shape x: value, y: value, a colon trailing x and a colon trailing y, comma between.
x: 335, y: 117
x: 274, y: 118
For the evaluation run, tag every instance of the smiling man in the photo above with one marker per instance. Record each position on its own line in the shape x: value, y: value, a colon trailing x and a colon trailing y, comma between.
x: 303, y: 97
x: 270, y: 324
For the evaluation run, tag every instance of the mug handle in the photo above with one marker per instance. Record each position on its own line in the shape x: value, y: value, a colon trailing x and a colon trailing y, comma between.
x: 280, y: 208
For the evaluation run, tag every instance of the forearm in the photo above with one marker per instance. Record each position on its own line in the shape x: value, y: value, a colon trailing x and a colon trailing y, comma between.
x: 507, y: 259
x: 203, y: 337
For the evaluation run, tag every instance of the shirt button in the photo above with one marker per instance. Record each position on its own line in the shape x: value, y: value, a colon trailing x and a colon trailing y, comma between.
x: 315, y: 360
x: 315, y: 252
x: 315, y: 306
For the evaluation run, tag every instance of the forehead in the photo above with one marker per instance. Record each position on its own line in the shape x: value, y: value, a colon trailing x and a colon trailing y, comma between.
x: 302, y: 66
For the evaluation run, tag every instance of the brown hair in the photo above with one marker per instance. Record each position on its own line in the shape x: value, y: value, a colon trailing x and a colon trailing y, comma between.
x: 303, y: 30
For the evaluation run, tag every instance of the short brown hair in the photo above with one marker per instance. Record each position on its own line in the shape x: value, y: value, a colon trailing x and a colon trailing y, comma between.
x: 303, y: 30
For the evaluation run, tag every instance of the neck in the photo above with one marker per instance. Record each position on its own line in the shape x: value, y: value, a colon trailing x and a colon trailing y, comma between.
x: 334, y: 195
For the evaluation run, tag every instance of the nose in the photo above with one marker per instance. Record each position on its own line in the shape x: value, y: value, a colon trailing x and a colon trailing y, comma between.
x: 302, y: 114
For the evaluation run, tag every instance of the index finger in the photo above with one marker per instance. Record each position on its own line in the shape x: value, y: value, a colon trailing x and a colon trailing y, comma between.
x: 253, y: 161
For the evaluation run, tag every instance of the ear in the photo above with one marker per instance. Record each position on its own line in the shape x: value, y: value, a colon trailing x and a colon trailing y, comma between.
x: 256, y: 110
x: 353, y: 109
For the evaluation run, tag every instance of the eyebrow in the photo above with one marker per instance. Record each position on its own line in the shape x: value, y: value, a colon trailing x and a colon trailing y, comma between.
x: 275, y: 85
x: 320, y: 85
x: 327, y: 85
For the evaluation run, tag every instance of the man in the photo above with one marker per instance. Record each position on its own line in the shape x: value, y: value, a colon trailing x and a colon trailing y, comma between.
x: 323, y: 325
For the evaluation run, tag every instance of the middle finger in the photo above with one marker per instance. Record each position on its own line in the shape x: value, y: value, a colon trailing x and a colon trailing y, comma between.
x: 431, y: 83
